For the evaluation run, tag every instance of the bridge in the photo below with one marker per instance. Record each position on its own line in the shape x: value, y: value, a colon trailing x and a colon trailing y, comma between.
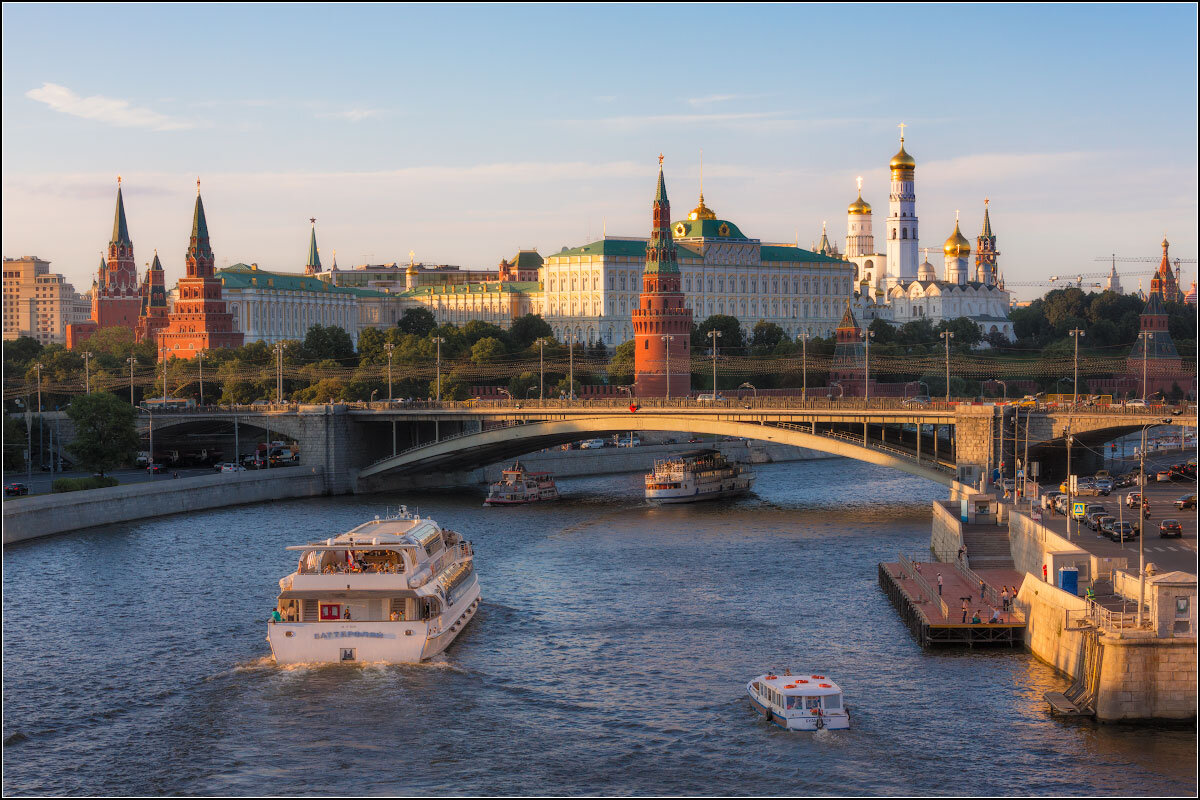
x: 366, y: 447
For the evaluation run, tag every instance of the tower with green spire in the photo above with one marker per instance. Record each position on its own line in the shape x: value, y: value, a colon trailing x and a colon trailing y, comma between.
x: 987, y: 271
x: 313, y: 265
x: 120, y: 273
x: 662, y: 324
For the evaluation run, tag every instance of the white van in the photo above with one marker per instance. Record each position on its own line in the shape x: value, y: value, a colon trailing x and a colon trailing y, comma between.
x: 709, y: 398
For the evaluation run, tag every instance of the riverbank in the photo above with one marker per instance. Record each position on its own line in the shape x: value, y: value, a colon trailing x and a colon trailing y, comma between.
x: 49, y: 514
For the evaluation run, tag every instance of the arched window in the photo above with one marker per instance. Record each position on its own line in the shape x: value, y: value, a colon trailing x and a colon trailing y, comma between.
x: 904, y: 233
x: 893, y: 233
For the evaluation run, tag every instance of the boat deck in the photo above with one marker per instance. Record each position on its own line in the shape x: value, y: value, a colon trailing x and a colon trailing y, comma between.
x: 931, y: 624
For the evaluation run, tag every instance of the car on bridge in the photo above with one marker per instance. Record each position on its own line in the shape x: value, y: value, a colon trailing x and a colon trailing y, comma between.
x: 1091, y: 517
x: 1170, y: 527
x: 1133, y: 500
x: 155, y: 468
x: 1185, y: 502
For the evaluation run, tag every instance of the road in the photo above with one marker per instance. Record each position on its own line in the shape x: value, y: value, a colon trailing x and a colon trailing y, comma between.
x: 41, y: 481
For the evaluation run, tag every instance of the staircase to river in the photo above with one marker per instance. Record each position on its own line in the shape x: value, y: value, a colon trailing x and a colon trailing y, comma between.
x: 987, y: 546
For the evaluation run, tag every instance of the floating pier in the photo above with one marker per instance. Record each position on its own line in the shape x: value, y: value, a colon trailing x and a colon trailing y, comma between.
x: 937, y: 619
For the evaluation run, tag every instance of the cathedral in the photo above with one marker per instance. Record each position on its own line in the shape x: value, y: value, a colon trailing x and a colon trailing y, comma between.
x: 895, y: 288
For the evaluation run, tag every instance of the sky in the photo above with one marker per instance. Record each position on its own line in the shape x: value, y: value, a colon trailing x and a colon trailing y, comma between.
x: 464, y: 133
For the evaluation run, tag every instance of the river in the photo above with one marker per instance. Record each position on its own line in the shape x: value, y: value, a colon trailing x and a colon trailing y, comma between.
x: 610, y: 656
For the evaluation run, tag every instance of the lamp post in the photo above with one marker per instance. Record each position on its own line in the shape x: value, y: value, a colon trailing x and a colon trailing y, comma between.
x: 163, y: 358
x: 1070, y: 484
x: 1004, y: 384
x: 667, y: 339
x: 803, y: 337
x: 278, y: 384
x: 541, y: 343
x: 1142, y: 521
x: 390, y: 348
x: 1076, y: 334
x: 750, y: 386
x: 131, y: 361
x: 200, y: 360
x: 41, y: 427
x: 570, y: 365
x: 714, y: 335
x: 507, y: 392
x: 867, y: 337
x: 947, y: 336
x: 87, y: 372
x: 439, y: 341
x: 841, y: 389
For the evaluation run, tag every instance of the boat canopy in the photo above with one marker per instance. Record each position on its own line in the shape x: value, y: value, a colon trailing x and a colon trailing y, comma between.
x: 806, y: 685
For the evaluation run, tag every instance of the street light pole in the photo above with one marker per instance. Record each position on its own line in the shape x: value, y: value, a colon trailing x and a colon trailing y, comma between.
x: 667, y: 339
x: 804, y: 365
x: 1076, y: 333
x: 541, y: 343
x: 1070, y: 485
x: 867, y: 337
x: 390, y: 350
x: 571, y: 366
x: 278, y: 384
x: 87, y: 373
x: 41, y: 426
x: 1142, y: 525
x: 163, y: 357
x: 131, y: 361
x: 200, y: 360
x: 439, y: 341
x: 947, y: 336
x: 1146, y: 337
x: 714, y: 334
x: 1004, y: 384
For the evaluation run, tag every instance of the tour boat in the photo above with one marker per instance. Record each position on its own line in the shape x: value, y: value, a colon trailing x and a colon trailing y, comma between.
x: 697, y: 475
x: 799, y: 702
x: 395, y: 590
x: 517, y: 487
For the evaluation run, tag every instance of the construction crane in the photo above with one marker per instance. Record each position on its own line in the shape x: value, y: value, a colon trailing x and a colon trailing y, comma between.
x: 1077, y: 280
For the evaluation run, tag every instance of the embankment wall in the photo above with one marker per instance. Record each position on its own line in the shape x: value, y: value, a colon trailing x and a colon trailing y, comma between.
x: 48, y: 514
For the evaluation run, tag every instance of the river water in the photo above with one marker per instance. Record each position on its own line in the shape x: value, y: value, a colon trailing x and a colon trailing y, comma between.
x: 610, y: 655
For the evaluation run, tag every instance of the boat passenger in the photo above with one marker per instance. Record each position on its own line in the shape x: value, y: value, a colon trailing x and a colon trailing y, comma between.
x: 347, y: 614
x: 395, y: 617
x: 275, y: 616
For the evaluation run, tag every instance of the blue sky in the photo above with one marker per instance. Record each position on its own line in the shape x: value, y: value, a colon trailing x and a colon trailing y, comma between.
x: 466, y: 132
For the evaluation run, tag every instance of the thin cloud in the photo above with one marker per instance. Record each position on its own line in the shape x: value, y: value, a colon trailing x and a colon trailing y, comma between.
x: 719, y: 98
x: 352, y: 114
x: 109, y: 110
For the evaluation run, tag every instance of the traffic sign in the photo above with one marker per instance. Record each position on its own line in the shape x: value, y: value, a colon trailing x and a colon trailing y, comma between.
x: 1078, y: 508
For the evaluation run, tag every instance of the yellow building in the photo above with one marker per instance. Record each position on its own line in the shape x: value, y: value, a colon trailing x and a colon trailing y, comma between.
x: 38, y: 303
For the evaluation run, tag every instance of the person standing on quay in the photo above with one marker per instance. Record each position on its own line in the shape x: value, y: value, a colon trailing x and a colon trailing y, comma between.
x: 964, y: 609
x: 939, y: 584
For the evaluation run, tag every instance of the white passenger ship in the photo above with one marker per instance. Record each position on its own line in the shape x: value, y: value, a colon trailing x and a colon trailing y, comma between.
x: 517, y: 487
x: 799, y: 702
x: 395, y: 590
x: 697, y: 475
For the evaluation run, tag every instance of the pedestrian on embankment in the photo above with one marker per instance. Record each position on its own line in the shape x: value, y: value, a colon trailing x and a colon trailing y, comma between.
x: 964, y: 608
x: 939, y: 584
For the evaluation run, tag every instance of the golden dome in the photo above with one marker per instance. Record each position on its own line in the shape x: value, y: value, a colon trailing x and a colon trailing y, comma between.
x: 957, y: 245
x: 859, y: 206
x: 702, y: 211
x: 903, y: 160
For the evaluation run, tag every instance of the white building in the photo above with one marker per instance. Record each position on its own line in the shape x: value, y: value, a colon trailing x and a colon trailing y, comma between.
x: 277, y: 306
x: 590, y: 291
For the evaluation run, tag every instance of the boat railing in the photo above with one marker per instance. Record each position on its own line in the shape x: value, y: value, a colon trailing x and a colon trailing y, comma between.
x: 910, y: 571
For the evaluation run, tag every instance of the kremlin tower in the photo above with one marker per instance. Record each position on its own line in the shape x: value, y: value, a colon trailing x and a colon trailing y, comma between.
x: 200, y: 320
x: 313, y: 265
x: 662, y: 325
x: 116, y: 299
x: 987, y: 271
x: 153, y: 317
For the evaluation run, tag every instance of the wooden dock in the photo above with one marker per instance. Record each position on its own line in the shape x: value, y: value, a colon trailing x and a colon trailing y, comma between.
x: 938, y: 619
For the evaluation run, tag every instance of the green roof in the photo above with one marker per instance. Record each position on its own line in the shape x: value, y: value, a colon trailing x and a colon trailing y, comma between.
x: 241, y: 276
x: 527, y: 259
x: 707, y: 228
x: 636, y: 248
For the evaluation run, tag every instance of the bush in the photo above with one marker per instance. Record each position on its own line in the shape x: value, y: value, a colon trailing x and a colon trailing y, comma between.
x: 78, y: 484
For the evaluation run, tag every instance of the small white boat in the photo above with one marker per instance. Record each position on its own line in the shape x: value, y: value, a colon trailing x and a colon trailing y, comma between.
x: 799, y: 702
x: 517, y: 487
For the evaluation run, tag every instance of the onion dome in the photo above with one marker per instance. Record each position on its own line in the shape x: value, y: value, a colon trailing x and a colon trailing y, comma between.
x: 902, y: 160
x: 1190, y: 298
x: 702, y: 211
x: 957, y: 245
x: 925, y: 272
x: 859, y: 206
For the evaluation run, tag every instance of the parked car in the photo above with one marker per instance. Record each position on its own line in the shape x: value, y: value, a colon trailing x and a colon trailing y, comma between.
x: 1185, y: 502
x: 1092, y: 514
x: 15, y: 489
x: 1122, y: 532
x: 629, y: 441
x: 1164, y: 476
x: 154, y: 469
x: 1133, y: 500
x: 1138, y: 403
x: 694, y: 440
x: 1100, y: 520
x: 1170, y: 527
x: 232, y: 468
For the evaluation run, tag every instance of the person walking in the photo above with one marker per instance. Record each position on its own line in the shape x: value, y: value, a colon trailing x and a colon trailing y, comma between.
x: 1004, y: 598
x: 982, y: 590
x: 939, y: 584
x: 964, y: 609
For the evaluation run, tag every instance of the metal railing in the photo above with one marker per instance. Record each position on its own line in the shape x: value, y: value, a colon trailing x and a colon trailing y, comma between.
x: 911, y: 572
x: 973, y: 580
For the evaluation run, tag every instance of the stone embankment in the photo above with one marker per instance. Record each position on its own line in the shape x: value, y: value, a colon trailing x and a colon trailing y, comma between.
x: 48, y: 514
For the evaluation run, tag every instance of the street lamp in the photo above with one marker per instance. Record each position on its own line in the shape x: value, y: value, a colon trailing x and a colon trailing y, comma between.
x: 1070, y: 484
x: 667, y: 339
x: 507, y: 392
x: 541, y: 343
x: 278, y: 384
x: 439, y: 341
x: 390, y: 350
x: 841, y: 390
x: 41, y: 426
x: 1147, y: 337
x: 570, y: 365
x: 1076, y: 334
x: 87, y: 373
x: 162, y: 356
x: 131, y: 361
x: 714, y: 334
x: 867, y: 337
x: 947, y: 336
x: 803, y: 337
x: 1004, y: 384
x: 1142, y: 521
x: 200, y: 360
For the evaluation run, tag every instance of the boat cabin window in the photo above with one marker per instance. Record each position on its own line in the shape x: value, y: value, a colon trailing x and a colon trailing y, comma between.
x: 328, y: 562
x: 812, y: 702
x: 833, y: 702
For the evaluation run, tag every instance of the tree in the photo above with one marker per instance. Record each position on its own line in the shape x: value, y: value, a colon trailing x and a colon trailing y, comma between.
x: 105, y: 436
x: 487, y: 350
x: 620, y: 369
x: 528, y: 329
x: 417, y: 321
x: 370, y: 346
x: 20, y: 352
x: 766, y: 337
x: 14, y: 443
x: 477, y: 329
x: 732, y: 338
x: 327, y: 342
x: 884, y: 332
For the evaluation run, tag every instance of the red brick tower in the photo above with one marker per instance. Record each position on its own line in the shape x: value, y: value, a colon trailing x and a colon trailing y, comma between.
x: 661, y: 313
x: 116, y: 300
x: 154, y: 303
x: 200, y: 320
x: 849, y: 356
